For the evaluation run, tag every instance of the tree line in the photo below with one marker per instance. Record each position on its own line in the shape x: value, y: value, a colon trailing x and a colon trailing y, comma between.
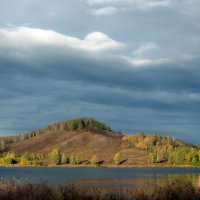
x: 56, y: 157
x: 165, y: 149
x: 72, y: 125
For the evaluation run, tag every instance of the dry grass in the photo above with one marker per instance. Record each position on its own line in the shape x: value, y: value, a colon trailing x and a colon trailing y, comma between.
x: 85, y: 143
x: 17, y: 190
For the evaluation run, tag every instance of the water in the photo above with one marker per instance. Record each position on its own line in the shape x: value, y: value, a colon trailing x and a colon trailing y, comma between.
x: 102, y: 177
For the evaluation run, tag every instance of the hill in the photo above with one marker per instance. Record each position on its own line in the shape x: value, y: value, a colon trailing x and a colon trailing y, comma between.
x: 84, y: 136
x: 87, y: 137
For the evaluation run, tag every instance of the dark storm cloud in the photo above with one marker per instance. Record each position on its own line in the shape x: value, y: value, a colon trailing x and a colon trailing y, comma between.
x: 134, y: 65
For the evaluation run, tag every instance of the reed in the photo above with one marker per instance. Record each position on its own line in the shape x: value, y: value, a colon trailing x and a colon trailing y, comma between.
x: 17, y: 190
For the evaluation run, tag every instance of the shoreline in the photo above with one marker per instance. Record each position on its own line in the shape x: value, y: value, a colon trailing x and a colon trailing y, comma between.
x: 101, y: 166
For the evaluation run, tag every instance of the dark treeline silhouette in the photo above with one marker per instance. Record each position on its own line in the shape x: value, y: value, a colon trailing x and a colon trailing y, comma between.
x: 72, y: 125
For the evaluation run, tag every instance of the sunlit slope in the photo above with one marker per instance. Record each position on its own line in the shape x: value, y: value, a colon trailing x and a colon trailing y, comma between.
x: 86, y: 139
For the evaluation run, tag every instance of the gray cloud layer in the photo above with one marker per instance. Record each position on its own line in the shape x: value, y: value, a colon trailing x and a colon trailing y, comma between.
x: 134, y: 65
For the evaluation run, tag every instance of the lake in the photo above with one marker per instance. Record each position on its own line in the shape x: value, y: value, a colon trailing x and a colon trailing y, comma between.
x: 102, y: 177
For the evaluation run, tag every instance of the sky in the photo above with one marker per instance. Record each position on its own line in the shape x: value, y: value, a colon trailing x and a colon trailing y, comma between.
x: 134, y: 64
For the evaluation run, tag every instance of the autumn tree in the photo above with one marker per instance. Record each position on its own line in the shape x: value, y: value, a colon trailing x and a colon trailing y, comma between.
x: 117, y: 158
x: 94, y: 160
x: 55, y: 157
x: 72, y: 159
x: 64, y: 159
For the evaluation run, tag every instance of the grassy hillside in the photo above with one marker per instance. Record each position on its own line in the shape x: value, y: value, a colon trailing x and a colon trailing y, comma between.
x: 84, y: 137
x: 88, y: 141
x: 72, y: 125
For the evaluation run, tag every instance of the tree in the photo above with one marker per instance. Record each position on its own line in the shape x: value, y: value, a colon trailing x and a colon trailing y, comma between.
x: 117, y: 158
x: 10, y: 159
x: 55, y: 157
x: 151, y: 158
x: 94, y: 160
x: 78, y: 159
x: 64, y: 159
x: 24, y: 161
x: 170, y: 155
x: 72, y: 159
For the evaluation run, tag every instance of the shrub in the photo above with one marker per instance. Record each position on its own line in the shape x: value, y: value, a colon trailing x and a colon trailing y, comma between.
x: 176, y: 190
x: 36, y: 163
x: 24, y: 161
x: 94, y: 160
x: 117, y: 158
x: 17, y: 190
x: 151, y: 158
x: 10, y: 159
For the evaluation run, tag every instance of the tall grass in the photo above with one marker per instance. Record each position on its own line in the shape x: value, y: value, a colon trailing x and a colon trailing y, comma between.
x: 18, y: 190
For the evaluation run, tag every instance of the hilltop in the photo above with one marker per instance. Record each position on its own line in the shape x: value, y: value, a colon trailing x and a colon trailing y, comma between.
x: 84, y: 136
x: 87, y: 137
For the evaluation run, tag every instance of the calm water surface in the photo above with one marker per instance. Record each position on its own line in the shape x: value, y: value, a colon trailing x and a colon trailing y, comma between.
x: 105, y: 177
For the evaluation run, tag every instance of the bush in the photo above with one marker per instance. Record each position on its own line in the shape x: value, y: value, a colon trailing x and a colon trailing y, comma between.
x: 17, y: 190
x: 10, y: 159
x: 117, y: 158
x: 94, y: 160
x: 36, y: 163
x: 24, y: 161
x: 151, y: 158
x: 177, y: 190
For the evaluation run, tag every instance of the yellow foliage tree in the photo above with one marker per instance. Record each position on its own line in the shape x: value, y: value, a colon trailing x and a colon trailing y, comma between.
x: 24, y: 161
x: 94, y: 160
x: 117, y: 158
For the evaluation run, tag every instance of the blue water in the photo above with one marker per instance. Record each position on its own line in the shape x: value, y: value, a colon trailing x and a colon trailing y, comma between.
x: 69, y: 175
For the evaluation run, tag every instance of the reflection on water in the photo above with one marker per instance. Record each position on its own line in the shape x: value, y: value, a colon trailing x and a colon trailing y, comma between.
x: 198, y: 181
x: 103, y: 177
x: 148, y: 180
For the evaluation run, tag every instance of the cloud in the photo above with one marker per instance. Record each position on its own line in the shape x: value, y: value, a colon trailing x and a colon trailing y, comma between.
x: 141, y: 4
x: 137, y: 70
x: 24, y: 37
x: 100, y: 42
x: 91, y: 2
x: 149, y: 62
x: 104, y: 11
x: 145, y: 48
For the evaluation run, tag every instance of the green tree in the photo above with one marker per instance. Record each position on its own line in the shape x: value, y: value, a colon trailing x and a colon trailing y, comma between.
x: 10, y: 159
x: 195, y: 157
x: 55, y: 157
x: 24, y: 161
x: 78, y: 159
x: 170, y: 155
x: 72, y: 159
x: 117, y: 158
x: 152, y: 158
x: 94, y: 160
x: 178, y: 156
x: 64, y: 159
